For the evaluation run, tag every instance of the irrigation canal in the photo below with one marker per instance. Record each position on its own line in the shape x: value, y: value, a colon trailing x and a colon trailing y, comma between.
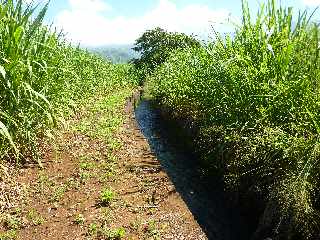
x: 205, y: 199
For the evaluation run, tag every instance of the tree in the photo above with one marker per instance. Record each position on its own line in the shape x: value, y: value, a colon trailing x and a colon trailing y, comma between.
x: 155, y: 46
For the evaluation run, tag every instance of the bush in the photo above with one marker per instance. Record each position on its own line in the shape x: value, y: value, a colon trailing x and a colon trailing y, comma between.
x: 155, y: 47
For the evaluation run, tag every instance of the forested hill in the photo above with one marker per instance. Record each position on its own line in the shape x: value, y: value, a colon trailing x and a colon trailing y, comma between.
x: 116, y: 53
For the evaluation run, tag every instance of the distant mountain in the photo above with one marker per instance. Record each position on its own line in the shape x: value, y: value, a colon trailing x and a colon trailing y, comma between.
x: 116, y: 53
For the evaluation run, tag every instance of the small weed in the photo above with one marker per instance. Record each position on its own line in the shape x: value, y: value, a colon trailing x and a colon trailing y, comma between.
x: 107, y: 171
x: 106, y: 216
x: 92, y: 229
x: 79, y: 219
x: 9, y: 235
x: 12, y: 222
x: 58, y: 193
x: 104, y: 232
x: 136, y: 224
x: 43, y: 178
x: 17, y: 210
x: 84, y: 158
x: 112, y: 158
x: 111, y: 234
x: 104, y: 177
x: 107, y: 166
x: 114, y: 145
x: 72, y: 183
x: 84, y: 176
x: 152, y: 230
x: 87, y: 165
x: 43, y: 183
x: 35, y: 217
x: 107, y: 196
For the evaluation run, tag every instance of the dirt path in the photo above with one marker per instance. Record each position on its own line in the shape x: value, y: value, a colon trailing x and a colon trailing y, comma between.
x: 90, y: 189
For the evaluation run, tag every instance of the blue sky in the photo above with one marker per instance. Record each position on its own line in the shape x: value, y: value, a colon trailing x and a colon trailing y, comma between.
x: 103, y: 22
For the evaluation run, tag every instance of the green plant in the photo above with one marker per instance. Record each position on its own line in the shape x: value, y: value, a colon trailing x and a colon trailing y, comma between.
x: 93, y: 229
x: 35, y: 217
x: 12, y: 222
x: 79, y: 219
x: 111, y: 234
x: 152, y: 229
x: 43, y: 183
x: 58, y: 193
x: 87, y: 165
x: 8, y: 235
x: 156, y: 46
x: 84, y: 176
x: 136, y: 224
x: 72, y: 183
x: 107, y: 196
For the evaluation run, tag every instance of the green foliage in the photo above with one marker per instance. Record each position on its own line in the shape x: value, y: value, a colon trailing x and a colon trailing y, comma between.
x: 103, y: 116
x: 103, y: 232
x: 92, y: 229
x: 8, y: 235
x: 35, y: 217
x: 43, y: 79
x: 255, y: 99
x: 156, y: 46
x: 79, y: 219
x: 58, y: 193
x: 152, y: 230
x: 112, y: 234
x: 87, y: 165
x: 12, y: 222
x: 107, y: 196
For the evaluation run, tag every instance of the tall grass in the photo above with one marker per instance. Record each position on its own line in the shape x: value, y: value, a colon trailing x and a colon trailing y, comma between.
x: 255, y: 98
x: 42, y: 78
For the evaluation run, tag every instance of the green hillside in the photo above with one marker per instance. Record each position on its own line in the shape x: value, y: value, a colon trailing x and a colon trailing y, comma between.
x: 116, y: 54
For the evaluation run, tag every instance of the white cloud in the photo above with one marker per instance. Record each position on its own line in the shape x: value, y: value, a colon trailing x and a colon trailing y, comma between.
x: 87, y: 21
x: 313, y: 3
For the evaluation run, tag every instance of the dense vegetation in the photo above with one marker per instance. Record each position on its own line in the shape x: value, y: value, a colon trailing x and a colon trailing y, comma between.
x: 255, y: 99
x: 43, y: 79
x: 156, y: 46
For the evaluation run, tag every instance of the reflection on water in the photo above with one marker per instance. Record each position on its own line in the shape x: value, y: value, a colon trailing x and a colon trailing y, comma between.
x: 204, y: 199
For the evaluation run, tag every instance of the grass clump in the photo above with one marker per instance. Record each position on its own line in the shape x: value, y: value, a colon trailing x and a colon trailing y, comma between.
x: 107, y: 196
x: 58, y: 193
x: 255, y: 99
x: 35, y: 218
x: 92, y: 229
x: 8, y: 235
x: 112, y: 234
x: 103, y: 232
x: 12, y: 222
x: 79, y: 219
